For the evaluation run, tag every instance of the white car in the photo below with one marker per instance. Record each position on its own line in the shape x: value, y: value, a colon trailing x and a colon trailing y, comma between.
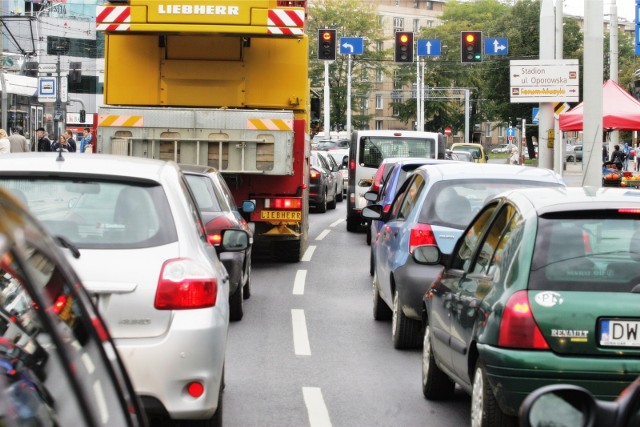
x: 132, y: 231
x: 502, y: 148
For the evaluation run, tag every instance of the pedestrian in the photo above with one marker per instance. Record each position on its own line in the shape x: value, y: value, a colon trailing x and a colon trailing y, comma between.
x: 61, y: 144
x: 605, y: 153
x: 18, y: 142
x: 86, y: 144
x: 627, y: 153
x: 618, y: 157
x: 44, y: 143
x: 513, y: 158
x: 72, y: 142
x: 5, y: 145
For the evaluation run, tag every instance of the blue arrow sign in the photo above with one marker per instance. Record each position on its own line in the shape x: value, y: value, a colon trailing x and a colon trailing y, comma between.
x: 535, y: 114
x: 499, y: 46
x: 351, y: 46
x: 429, y: 47
x: 511, y: 131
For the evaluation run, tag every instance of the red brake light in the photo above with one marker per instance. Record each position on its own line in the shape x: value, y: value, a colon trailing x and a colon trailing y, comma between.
x: 284, y: 203
x: 184, y: 284
x: 629, y: 210
x: 518, y: 328
x: 314, y: 173
x: 214, y: 229
x: 386, y: 208
x: 352, y: 164
x: 421, y: 234
x: 59, y: 303
x: 377, y: 179
x: 195, y: 389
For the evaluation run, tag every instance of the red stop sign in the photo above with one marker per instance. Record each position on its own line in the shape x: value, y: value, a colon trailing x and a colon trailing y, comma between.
x: 447, y: 131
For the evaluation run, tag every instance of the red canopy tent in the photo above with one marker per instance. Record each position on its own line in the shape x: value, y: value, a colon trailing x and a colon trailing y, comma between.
x: 620, y: 111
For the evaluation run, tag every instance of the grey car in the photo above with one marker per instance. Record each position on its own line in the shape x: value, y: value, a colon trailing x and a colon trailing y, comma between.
x: 133, y: 232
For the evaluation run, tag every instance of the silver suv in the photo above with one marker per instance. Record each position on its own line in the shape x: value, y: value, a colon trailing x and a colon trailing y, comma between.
x: 134, y: 234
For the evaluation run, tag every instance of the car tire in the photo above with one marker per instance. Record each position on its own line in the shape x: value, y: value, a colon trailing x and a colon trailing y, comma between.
x: 332, y: 203
x: 246, y: 289
x: 485, y: 411
x: 236, y: 310
x: 381, y: 310
x: 352, y: 224
x: 322, y: 206
x: 405, y: 332
x: 340, y: 195
x: 372, y: 263
x: 436, y: 385
x: 369, y: 235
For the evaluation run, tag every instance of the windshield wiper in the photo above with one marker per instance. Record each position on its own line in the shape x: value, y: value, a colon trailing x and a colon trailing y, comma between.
x: 62, y: 241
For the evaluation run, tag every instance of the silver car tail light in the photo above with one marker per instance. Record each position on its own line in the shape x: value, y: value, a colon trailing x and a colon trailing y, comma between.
x: 185, y: 284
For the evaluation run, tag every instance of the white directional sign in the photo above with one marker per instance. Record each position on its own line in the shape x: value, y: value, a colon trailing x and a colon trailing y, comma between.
x: 46, y: 68
x: 545, y: 80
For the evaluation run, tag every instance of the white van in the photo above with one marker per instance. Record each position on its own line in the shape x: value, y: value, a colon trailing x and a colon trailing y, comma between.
x: 367, y: 150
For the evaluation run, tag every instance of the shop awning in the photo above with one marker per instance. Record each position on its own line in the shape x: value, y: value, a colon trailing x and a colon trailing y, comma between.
x: 20, y: 85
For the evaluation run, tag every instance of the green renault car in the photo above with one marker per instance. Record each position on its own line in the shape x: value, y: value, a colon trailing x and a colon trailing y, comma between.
x: 543, y: 287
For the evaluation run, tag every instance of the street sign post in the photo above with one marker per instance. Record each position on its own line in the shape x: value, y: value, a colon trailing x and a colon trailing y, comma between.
x: 351, y: 46
x: 447, y: 131
x: 535, y: 115
x: 429, y: 47
x: 511, y: 134
x: 497, y: 46
x: 46, y: 89
x: 545, y: 80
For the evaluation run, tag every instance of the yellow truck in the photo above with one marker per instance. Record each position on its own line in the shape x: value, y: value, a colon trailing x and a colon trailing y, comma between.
x: 218, y: 83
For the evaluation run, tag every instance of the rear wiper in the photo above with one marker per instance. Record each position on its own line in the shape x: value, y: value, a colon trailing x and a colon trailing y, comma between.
x: 62, y: 241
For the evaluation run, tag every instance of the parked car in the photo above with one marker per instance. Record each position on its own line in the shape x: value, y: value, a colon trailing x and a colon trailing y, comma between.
x: 462, y: 156
x: 341, y: 156
x: 220, y: 212
x: 432, y: 207
x: 399, y: 170
x: 540, y: 289
x: 502, y: 148
x: 143, y: 255
x: 476, y: 150
x: 58, y: 363
x: 575, y: 406
x: 574, y: 153
x: 322, y: 183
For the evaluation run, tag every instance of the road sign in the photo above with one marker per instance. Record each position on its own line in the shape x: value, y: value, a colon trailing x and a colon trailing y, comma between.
x: 535, y: 115
x: 429, y: 47
x: 64, y: 97
x: 47, y: 68
x: 46, y: 89
x: 447, y: 131
x: 499, y: 46
x: 511, y: 132
x: 545, y: 80
x: 351, y: 46
x: 637, y: 27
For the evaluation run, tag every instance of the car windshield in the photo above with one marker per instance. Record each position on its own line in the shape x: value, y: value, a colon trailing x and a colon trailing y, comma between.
x: 596, y: 251
x: 474, y: 151
x: 453, y: 203
x: 99, y: 214
x: 373, y: 150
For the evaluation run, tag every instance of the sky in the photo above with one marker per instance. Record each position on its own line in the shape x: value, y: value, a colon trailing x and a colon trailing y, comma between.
x: 626, y: 8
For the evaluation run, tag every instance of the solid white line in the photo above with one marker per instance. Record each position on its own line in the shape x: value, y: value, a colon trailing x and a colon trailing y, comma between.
x: 308, y: 253
x: 298, y: 282
x: 318, y: 413
x: 333, y: 224
x: 323, y: 234
x: 300, y: 338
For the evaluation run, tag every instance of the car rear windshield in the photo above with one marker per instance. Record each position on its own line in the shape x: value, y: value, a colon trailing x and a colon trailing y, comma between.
x: 596, y: 251
x: 205, y: 194
x: 453, y: 203
x: 374, y: 149
x: 99, y: 214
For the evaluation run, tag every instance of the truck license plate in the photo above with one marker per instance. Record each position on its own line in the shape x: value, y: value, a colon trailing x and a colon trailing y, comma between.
x: 281, y: 215
x: 620, y: 333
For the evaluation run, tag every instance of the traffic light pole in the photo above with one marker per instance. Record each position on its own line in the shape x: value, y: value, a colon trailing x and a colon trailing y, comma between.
x: 327, y: 116
x: 419, y: 103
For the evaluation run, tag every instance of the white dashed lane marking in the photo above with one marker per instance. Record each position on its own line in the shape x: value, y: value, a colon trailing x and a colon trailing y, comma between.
x: 318, y: 413
x: 298, y: 282
x: 300, y: 337
x: 323, y: 234
x: 308, y: 253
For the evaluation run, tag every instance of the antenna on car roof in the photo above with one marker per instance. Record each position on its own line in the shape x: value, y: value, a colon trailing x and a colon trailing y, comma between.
x: 60, y: 158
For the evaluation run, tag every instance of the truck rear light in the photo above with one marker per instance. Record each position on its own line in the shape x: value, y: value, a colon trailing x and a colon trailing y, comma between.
x: 283, y: 203
x: 421, y: 234
x: 518, y: 328
x: 184, y: 284
x: 214, y: 229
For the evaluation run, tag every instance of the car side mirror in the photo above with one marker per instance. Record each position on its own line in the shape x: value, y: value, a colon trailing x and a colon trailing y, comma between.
x: 426, y: 255
x: 233, y: 240
x: 560, y: 405
x: 371, y: 196
x: 248, y: 206
x: 372, y: 212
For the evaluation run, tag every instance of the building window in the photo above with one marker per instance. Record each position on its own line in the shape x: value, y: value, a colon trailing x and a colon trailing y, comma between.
x: 80, y: 48
x: 364, y: 105
x: 398, y: 24
x: 501, y: 131
x: 379, y: 104
x: 87, y: 84
x: 379, y: 125
x: 364, y: 76
x: 416, y: 4
x: 429, y: 5
x: 380, y: 46
x: 379, y: 75
x: 429, y: 24
x: 487, y: 130
x: 416, y: 25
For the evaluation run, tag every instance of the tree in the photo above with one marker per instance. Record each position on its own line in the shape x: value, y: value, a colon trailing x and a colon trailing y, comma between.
x: 350, y: 18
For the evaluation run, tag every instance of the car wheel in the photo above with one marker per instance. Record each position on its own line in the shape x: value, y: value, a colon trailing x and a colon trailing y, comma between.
x: 436, y: 385
x: 405, y: 332
x: 381, y: 310
x: 485, y: 411
x: 352, y: 224
x: 369, y: 235
x: 340, y: 195
x: 246, y: 289
x: 322, y: 206
x: 235, y: 305
x: 332, y: 204
x: 372, y: 263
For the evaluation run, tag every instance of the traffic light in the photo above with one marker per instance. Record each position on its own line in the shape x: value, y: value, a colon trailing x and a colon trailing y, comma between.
x: 327, y: 45
x: 404, y: 46
x: 471, y: 46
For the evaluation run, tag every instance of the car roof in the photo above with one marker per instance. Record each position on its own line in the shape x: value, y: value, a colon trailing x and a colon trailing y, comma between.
x: 448, y: 170
x: 574, y: 199
x: 79, y: 163
x: 464, y: 144
x: 201, y: 169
